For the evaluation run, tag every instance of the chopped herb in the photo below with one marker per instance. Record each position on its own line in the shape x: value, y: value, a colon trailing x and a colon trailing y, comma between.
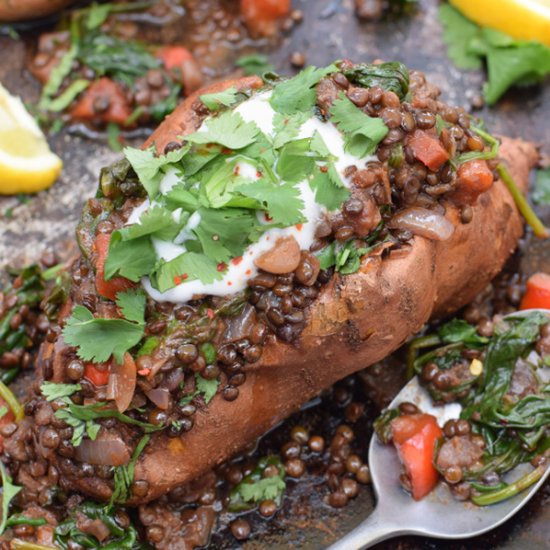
x: 481, y: 155
x: 114, y: 137
x: 298, y: 93
x: 459, y: 330
x: 207, y: 388
x: 254, y: 64
x: 97, y: 339
x: 52, y: 391
x: 150, y: 345
x: 62, y: 101
x: 57, y: 76
x: 130, y: 259
x: 9, y: 492
x: 287, y: 127
x: 228, y: 129
x: 216, y: 101
x: 255, y: 488
x: 329, y: 189
x: 362, y: 133
x: 132, y: 305
x: 296, y: 160
x: 156, y: 221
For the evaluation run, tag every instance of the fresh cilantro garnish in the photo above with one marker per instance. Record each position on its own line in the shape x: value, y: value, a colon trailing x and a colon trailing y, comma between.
x: 97, y: 339
x: 131, y: 259
x: 224, y: 233
x: 509, y: 61
x: 287, y: 127
x: 541, y: 194
x: 362, y: 133
x: 204, y: 387
x: 124, y: 476
x: 132, y: 305
x: 149, y: 167
x: 481, y: 155
x: 9, y: 492
x: 228, y: 129
x: 298, y: 93
x: 220, y: 99
x: 52, y: 391
x: 255, y: 488
x: 282, y: 201
x: 329, y: 188
x: 185, y: 267
x: 80, y: 427
x: 156, y: 221
x: 254, y: 64
x: 296, y: 160
x: 392, y: 76
x: 150, y: 345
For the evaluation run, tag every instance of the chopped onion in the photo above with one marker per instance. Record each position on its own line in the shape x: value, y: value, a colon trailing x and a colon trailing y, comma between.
x: 241, y: 326
x: 122, y: 382
x: 160, y: 397
x: 423, y: 222
x: 107, y: 450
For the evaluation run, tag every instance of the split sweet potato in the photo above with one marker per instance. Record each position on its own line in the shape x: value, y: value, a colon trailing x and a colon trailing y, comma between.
x: 21, y: 10
x: 357, y: 320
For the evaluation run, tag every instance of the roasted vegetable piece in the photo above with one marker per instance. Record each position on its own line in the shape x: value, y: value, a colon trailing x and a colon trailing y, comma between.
x: 537, y: 293
x: 415, y: 437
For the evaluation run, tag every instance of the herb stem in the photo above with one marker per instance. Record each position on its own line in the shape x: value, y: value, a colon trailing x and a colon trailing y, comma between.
x: 417, y: 344
x: 18, y: 544
x: 523, y: 206
x: 512, y: 489
x: 7, y: 395
x: 22, y: 520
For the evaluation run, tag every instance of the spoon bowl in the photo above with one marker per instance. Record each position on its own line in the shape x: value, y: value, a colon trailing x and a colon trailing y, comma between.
x: 439, y: 514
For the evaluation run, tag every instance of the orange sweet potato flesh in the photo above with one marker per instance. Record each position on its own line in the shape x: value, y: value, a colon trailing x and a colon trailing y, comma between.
x: 357, y: 320
x: 20, y: 10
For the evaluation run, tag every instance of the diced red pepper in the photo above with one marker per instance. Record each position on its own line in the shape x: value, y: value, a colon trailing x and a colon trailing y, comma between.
x: 537, y: 294
x: 110, y: 288
x: 473, y: 178
x: 103, y: 100
x: 428, y: 149
x: 173, y: 57
x: 415, y: 437
x: 261, y: 15
x: 95, y: 375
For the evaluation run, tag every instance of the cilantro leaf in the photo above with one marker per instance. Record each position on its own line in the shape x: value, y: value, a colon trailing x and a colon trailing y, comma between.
x: 524, y: 62
x: 9, y: 492
x: 181, y: 196
x: 148, y: 167
x: 296, y: 160
x: 52, y: 391
x: 187, y: 266
x: 254, y: 64
x: 80, y: 427
x: 220, y: 99
x: 208, y: 388
x: 362, y: 133
x: 458, y: 330
x: 318, y: 145
x: 329, y: 189
x: 541, y: 194
x: 224, y: 233
x: 282, y: 201
x: 298, y: 93
x: 97, y: 339
x: 457, y: 34
x: 130, y: 259
x: 132, y: 305
x: 229, y: 129
x: 157, y: 221
x: 287, y: 127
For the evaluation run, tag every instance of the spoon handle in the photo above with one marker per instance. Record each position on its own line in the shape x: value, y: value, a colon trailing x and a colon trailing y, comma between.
x: 379, y: 526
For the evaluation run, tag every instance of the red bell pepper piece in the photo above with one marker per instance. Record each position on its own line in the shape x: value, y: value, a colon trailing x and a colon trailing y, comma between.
x: 95, y: 375
x: 415, y: 436
x: 537, y: 294
x: 428, y: 149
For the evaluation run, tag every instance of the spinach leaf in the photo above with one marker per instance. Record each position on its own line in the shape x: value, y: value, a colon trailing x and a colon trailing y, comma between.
x: 392, y: 77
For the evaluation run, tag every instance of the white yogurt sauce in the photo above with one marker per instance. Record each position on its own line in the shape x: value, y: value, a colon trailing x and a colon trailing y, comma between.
x: 256, y: 109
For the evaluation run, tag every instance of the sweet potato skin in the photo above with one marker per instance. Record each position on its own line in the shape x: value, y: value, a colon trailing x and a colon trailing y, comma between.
x: 356, y: 320
x: 21, y: 10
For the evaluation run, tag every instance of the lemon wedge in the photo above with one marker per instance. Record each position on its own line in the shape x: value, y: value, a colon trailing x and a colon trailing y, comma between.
x: 26, y: 163
x: 521, y: 19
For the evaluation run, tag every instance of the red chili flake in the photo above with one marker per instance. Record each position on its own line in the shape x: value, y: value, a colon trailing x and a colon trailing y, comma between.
x: 210, y: 313
x: 267, y: 217
x: 267, y: 238
x: 177, y: 280
x: 229, y: 283
x: 248, y: 272
x: 222, y: 266
x: 324, y: 169
x: 259, y: 174
x: 299, y: 226
x: 144, y: 372
x: 237, y: 260
x: 226, y: 151
x: 237, y: 170
x: 184, y: 276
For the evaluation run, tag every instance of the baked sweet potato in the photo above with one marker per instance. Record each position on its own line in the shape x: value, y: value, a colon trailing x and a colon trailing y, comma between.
x: 351, y: 321
x: 22, y: 10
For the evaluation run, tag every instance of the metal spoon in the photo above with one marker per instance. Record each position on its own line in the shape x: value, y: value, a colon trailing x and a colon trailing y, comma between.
x: 437, y: 515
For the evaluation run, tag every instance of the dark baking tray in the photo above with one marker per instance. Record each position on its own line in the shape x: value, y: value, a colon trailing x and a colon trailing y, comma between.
x: 329, y: 31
